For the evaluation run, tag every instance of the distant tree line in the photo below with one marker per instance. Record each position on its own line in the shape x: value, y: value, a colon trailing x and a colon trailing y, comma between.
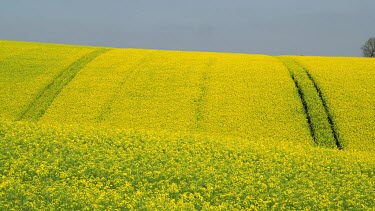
x: 368, y: 49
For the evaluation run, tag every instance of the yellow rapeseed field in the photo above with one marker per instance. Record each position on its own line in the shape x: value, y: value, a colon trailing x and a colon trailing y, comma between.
x: 85, y: 168
x: 95, y: 128
x: 249, y: 96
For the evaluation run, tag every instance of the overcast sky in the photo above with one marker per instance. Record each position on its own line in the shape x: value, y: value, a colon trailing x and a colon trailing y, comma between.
x: 319, y: 27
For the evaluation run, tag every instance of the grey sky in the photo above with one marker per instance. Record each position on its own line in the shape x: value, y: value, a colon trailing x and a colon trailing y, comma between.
x: 319, y: 27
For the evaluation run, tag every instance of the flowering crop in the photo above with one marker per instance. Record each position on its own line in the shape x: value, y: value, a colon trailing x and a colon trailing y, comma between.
x: 132, y: 129
x: 83, y: 168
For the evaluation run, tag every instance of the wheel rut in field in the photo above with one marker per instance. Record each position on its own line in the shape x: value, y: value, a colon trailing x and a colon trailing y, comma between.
x: 39, y: 105
x: 106, y: 110
x: 317, y: 113
x: 201, y: 99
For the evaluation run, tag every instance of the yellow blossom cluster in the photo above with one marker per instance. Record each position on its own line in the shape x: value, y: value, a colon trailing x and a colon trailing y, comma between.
x: 85, y: 168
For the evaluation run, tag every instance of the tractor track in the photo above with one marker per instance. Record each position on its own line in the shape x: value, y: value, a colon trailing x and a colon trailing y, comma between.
x: 319, y: 118
x: 201, y: 99
x: 41, y: 102
x: 106, y: 109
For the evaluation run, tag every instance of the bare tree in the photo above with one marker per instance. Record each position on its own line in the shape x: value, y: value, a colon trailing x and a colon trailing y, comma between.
x: 368, y: 48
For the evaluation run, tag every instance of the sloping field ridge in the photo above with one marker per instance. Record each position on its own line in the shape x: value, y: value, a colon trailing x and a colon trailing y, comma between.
x: 250, y: 96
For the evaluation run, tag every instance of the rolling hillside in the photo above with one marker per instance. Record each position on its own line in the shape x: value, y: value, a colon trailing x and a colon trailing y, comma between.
x: 92, y: 127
